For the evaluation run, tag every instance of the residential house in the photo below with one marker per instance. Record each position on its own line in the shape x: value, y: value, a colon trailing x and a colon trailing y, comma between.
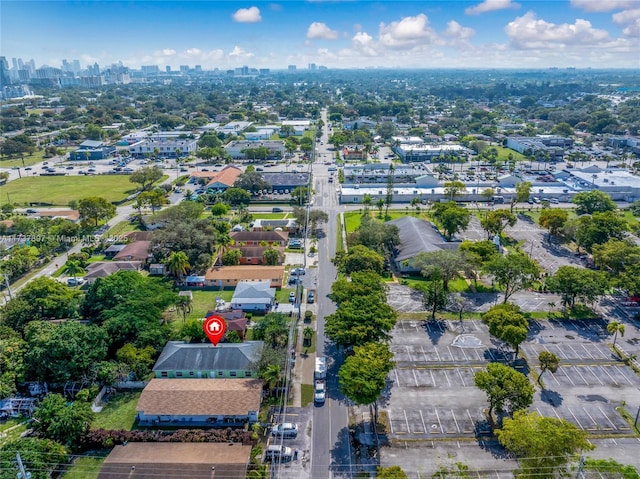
x: 253, y: 296
x: 231, y: 276
x: 102, y: 269
x: 136, y: 251
x: 255, y: 254
x: 416, y: 236
x: 194, y: 281
x: 353, y: 153
x: 288, y: 225
x: 180, y: 359
x: 199, y: 402
x: 236, y: 320
x: 157, y: 269
x: 113, y: 250
x: 259, y: 238
x: 70, y: 215
x: 168, y: 460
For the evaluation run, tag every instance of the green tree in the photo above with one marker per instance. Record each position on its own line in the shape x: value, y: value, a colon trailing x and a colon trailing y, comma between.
x: 73, y: 268
x: 359, y: 258
x: 615, y: 327
x: 231, y: 257
x: 146, y: 176
x: 446, y: 264
x: 593, y: 201
x: 12, y: 368
x: 452, y: 218
x: 361, y: 283
x: 599, y: 228
x: 453, y: 189
x: 616, y: 255
x: 523, y: 192
x: 236, y: 196
x: 154, y: 198
x: 363, y: 375
x: 184, y: 305
x: 391, y: 472
x: 299, y: 195
x: 271, y: 377
x: 178, y: 264
x: 273, y: 329
x: 138, y: 360
x: 62, y: 421
x: 252, y: 182
x: 388, y: 199
x: 507, y: 324
x: 41, y: 457
x: 271, y: 256
x: 377, y: 236
x: 53, y: 354
x: 307, y: 335
x: 544, y: 445
x: 574, y: 283
x: 435, y: 296
x: 513, y: 272
x: 496, y: 221
x: 193, y: 331
x: 360, y: 320
x: 507, y: 389
x: 95, y: 208
x: 547, y: 361
x: 219, y: 209
x: 553, y: 219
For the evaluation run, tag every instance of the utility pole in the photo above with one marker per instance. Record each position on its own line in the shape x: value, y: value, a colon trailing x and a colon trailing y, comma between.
x: 23, y: 474
x: 635, y: 423
x: 580, y: 474
x: 6, y: 281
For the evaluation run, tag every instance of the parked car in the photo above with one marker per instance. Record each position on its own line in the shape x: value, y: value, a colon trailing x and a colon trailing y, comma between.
x: 297, y: 271
x: 75, y: 281
x: 292, y: 297
x: 277, y: 210
x: 311, y: 297
x: 31, y: 211
x: 285, y: 429
x: 279, y: 453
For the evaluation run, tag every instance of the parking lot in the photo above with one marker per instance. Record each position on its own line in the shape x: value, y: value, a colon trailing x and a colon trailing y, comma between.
x: 301, y: 417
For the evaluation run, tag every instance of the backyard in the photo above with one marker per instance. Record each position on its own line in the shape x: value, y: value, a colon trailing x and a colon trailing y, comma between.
x: 119, y: 412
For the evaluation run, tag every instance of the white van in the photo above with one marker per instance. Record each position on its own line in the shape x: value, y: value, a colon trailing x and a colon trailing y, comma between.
x: 278, y: 453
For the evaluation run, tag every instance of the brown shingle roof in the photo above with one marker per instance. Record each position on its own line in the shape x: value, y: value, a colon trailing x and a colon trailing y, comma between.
x: 71, y: 215
x: 168, y: 460
x: 252, y: 272
x: 200, y: 397
x: 139, y: 235
x: 138, y: 250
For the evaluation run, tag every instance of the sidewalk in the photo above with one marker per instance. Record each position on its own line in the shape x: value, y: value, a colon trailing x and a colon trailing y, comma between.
x: 305, y: 365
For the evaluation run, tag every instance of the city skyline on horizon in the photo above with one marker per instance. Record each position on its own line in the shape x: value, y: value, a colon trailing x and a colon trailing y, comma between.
x: 491, y: 34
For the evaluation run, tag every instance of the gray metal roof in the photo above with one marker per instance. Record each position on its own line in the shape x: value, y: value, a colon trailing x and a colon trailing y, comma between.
x: 181, y: 356
x: 249, y: 291
x: 417, y: 236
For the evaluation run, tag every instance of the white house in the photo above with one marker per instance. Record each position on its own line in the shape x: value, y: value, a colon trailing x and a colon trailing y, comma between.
x: 253, y: 296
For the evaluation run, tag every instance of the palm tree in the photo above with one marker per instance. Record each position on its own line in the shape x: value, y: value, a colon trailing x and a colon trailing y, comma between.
x: 615, y: 327
x: 271, y: 376
x: 307, y: 334
x: 178, y: 264
x: 73, y: 268
x: 184, y: 304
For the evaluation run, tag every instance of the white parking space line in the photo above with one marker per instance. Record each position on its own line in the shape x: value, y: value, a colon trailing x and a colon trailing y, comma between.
x: 461, y: 378
x: 587, y: 351
x: 558, y: 353
x: 397, y: 378
x: 414, y: 376
x: 574, y: 352
x: 466, y: 358
x: 423, y: 353
x: 477, y: 354
x: 438, y: 417
x: 567, y: 376
x: 574, y: 417
x: 607, y: 373
x: 595, y: 375
x: 455, y: 420
x: 553, y: 375
x: 592, y: 420
x: 491, y: 354
x: 451, y: 356
x: 409, y: 353
x: 390, y: 421
x: 607, y: 417
x: 470, y: 419
x: 620, y: 371
x: 422, y: 419
x: 580, y: 374
x: 447, y: 376
x: 437, y: 354
x: 433, y: 380
x: 406, y: 420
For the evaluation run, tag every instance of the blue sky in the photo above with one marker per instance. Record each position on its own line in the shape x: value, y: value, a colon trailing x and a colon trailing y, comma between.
x: 336, y: 34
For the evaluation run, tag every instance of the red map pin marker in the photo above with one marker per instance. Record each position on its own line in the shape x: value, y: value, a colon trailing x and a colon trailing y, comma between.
x: 214, y: 328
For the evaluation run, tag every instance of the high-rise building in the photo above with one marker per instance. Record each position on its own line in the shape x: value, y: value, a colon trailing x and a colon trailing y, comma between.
x: 184, y: 68
x: 291, y: 68
x: 32, y: 66
x: 76, y: 66
x: 312, y: 67
x: 4, y: 72
x: 167, y: 69
x: 198, y: 68
x: 14, y: 62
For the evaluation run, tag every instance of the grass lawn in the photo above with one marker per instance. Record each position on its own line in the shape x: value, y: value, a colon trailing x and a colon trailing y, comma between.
x: 37, y: 157
x: 271, y: 216
x: 204, y: 301
x: 84, y: 468
x: 352, y: 219
x: 503, y: 153
x: 118, y: 413
x: 13, y: 428
x: 124, y: 227
x: 59, y: 190
x: 306, y: 394
x: 631, y: 219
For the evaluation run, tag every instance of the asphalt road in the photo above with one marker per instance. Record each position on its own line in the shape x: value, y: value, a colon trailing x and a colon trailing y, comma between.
x: 330, y: 448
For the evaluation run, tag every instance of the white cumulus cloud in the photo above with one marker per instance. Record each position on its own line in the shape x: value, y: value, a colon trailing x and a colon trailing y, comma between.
x: 458, y: 32
x: 247, y: 15
x: 630, y: 20
x: 239, y: 52
x: 491, y: 6
x: 364, y: 43
x: 604, y: 5
x: 322, y: 31
x: 528, y: 31
x: 408, y: 32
